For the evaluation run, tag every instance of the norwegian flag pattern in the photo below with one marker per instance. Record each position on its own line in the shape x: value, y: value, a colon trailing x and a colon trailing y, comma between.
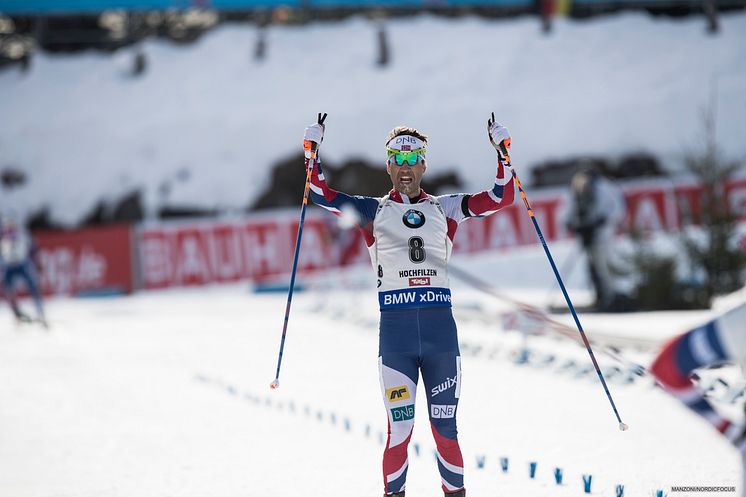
x: 674, y: 365
x: 421, y: 343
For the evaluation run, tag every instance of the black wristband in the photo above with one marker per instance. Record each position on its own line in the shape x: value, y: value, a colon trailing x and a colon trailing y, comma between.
x: 465, y: 205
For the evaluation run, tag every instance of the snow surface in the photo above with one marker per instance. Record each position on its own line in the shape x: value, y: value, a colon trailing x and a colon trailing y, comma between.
x: 167, y: 393
x: 608, y: 86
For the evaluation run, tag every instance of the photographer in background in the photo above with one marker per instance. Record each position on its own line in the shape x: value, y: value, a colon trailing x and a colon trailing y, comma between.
x: 595, y: 210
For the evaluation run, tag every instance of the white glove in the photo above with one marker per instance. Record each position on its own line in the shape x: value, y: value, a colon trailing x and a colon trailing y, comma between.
x: 313, y: 136
x: 498, y: 134
x: 314, y: 133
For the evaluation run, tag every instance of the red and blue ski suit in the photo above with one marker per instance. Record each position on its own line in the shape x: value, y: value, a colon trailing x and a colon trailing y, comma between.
x: 410, y: 242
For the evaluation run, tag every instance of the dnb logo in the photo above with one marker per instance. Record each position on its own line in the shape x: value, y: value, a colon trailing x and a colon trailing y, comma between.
x: 396, y: 394
x: 402, y: 413
x: 405, y: 142
x: 413, y: 219
x: 442, y: 411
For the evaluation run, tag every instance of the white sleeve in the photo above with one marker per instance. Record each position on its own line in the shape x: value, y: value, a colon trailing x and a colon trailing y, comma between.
x: 453, y: 206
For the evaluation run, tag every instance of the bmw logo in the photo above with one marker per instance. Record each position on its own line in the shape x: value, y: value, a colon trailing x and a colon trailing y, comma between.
x: 413, y: 219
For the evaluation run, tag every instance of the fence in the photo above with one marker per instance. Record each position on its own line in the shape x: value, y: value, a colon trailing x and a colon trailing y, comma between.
x: 123, y: 259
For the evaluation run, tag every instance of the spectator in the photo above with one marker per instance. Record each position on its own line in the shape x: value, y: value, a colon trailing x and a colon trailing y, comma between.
x: 596, y: 208
x: 17, y: 252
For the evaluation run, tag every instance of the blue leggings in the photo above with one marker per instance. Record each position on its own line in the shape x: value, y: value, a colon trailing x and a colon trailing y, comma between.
x: 27, y: 273
x: 414, y: 341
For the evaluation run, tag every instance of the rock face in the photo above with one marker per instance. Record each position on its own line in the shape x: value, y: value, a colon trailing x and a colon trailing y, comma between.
x: 355, y: 176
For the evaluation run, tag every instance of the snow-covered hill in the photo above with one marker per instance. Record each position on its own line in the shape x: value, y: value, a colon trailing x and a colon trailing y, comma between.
x: 82, y: 130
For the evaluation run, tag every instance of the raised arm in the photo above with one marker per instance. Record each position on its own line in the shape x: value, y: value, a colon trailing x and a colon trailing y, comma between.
x: 465, y: 205
x: 363, y: 208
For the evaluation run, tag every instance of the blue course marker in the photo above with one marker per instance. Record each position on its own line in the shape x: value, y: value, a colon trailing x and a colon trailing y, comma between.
x: 532, y: 469
x: 558, y: 475
x: 522, y: 357
x: 504, y: 464
x: 587, y: 483
x: 620, y: 491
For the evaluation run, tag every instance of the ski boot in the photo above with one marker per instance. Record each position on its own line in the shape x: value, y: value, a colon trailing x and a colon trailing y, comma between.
x: 457, y: 493
x: 395, y: 494
x: 22, y: 318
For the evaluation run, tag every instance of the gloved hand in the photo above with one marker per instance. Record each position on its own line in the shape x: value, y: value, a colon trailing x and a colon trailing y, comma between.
x: 499, y: 135
x: 313, y: 136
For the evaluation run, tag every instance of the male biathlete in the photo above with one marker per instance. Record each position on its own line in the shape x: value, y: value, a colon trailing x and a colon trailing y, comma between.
x: 409, y: 235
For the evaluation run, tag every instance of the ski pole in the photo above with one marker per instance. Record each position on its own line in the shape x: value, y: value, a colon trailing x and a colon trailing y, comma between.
x: 531, y: 214
x: 311, y: 147
x: 539, y: 315
x: 567, y: 269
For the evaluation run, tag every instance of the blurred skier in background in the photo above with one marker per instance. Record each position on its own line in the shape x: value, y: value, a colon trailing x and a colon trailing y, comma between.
x: 718, y: 342
x: 595, y: 210
x: 17, y: 253
x: 409, y: 235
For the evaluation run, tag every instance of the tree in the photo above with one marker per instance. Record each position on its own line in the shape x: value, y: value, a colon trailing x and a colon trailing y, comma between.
x: 712, y: 248
x: 712, y: 262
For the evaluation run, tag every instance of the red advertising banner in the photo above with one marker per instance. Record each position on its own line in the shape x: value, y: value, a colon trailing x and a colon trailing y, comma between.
x: 736, y: 192
x: 118, y: 259
x: 259, y: 248
x: 196, y: 253
x: 86, y: 261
